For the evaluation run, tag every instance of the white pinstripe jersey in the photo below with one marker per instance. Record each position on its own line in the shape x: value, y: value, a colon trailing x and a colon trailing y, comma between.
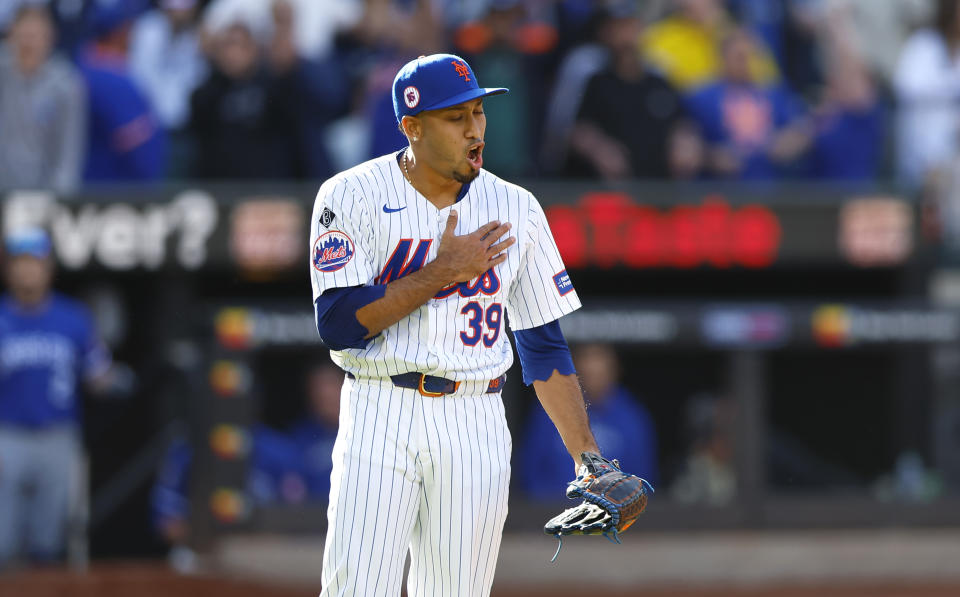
x: 370, y: 226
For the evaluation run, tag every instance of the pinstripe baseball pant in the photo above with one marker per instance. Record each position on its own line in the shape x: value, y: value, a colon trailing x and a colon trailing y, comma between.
x: 414, y: 472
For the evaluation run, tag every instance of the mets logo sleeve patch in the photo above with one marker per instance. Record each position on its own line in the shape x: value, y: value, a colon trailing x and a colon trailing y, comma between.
x: 332, y: 251
x: 339, y: 231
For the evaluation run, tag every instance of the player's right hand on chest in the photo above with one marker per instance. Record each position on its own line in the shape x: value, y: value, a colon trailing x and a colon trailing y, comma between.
x: 468, y: 256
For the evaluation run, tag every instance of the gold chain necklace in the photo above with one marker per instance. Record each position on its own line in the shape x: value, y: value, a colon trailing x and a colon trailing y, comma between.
x: 406, y: 172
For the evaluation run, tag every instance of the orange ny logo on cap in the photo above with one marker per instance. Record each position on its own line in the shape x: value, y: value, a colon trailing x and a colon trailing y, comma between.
x: 462, y: 69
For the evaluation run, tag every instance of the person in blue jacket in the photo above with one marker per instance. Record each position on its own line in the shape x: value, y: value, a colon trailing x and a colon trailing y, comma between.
x: 314, y: 436
x: 620, y: 422
x: 849, y: 122
x: 125, y: 141
x: 48, y: 349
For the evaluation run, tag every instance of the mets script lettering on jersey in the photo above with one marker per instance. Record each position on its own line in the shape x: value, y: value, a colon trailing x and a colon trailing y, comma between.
x: 488, y: 284
x: 457, y: 334
x: 399, y: 266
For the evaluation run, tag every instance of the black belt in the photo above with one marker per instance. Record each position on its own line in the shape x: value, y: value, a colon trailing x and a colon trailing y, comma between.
x: 428, y: 385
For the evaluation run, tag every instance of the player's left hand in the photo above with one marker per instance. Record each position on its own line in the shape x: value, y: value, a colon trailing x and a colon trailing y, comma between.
x: 612, y: 501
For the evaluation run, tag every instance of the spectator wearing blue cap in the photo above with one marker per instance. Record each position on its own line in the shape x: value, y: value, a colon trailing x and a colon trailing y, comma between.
x: 48, y: 347
x: 42, y: 107
x: 125, y: 140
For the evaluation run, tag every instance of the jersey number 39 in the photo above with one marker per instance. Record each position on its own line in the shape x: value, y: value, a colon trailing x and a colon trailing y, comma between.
x: 493, y: 318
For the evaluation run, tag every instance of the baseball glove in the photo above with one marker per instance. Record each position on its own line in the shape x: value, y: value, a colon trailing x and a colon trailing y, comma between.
x: 612, y: 501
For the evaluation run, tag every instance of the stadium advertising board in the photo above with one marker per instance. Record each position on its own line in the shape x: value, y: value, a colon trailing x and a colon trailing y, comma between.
x: 263, y: 232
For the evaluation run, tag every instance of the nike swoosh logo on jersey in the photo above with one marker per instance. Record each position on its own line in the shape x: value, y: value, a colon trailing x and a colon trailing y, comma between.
x: 388, y: 210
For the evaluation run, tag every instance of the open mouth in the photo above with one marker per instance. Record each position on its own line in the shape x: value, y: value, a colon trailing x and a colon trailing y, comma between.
x: 475, y: 155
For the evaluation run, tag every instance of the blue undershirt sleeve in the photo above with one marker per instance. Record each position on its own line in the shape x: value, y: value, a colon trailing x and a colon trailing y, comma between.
x: 336, y: 315
x: 542, y: 350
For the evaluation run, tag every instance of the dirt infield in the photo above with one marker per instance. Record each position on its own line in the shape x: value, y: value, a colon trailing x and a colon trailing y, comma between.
x: 154, y: 580
x: 772, y: 591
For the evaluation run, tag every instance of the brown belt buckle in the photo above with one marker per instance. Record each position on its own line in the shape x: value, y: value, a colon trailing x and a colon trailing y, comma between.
x: 424, y: 392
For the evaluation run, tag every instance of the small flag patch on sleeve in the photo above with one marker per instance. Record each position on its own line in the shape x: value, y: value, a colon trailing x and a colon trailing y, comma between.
x: 563, y: 283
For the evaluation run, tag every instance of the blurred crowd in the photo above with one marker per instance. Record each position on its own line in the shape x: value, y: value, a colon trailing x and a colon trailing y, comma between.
x: 136, y: 90
x: 105, y: 91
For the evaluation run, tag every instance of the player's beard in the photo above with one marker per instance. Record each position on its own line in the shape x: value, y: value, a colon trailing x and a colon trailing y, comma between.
x: 466, y: 178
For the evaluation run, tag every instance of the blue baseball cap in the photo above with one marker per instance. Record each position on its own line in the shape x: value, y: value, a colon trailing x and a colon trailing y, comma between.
x: 434, y: 82
x: 28, y: 241
x: 107, y: 17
